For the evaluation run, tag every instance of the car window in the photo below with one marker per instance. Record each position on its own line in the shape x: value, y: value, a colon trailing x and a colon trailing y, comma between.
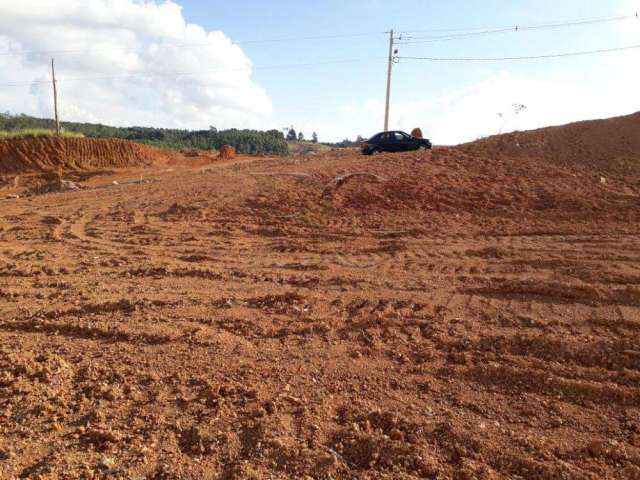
x: 399, y: 137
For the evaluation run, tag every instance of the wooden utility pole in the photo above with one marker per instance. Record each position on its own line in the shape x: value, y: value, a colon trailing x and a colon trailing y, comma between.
x: 386, y: 109
x: 55, y: 97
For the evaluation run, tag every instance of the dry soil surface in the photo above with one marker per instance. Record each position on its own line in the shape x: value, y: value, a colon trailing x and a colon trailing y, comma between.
x: 446, y: 315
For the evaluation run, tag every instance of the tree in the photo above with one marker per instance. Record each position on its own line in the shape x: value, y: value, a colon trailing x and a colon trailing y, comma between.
x: 518, y: 108
x: 314, y: 137
x: 301, y: 137
x: 245, y: 141
x: 292, y: 136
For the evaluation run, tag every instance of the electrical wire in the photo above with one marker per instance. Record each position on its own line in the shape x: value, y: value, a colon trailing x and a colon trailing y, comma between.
x: 532, y: 57
x: 508, y: 28
x: 469, y: 33
x: 408, y: 40
x: 188, y: 45
x: 202, y: 72
x: 431, y: 38
x: 329, y: 62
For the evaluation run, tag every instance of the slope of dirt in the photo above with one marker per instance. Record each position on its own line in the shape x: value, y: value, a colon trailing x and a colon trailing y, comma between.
x: 439, y: 315
x: 19, y: 156
x: 609, y: 145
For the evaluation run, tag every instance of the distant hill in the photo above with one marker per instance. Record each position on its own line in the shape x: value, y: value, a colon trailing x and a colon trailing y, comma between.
x: 271, y: 142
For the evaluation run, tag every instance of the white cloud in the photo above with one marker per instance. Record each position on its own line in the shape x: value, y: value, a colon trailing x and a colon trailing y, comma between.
x: 609, y: 89
x: 117, y: 62
x: 473, y: 111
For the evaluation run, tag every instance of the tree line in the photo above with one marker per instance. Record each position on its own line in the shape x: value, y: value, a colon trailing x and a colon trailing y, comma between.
x: 292, y: 136
x: 271, y: 142
x: 299, y: 137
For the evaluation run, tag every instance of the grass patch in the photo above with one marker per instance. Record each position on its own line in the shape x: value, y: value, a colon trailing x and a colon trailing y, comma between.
x: 304, y: 148
x: 35, y: 133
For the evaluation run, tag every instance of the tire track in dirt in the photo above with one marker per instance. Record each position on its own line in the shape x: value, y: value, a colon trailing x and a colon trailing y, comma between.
x: 445, y: 351
x: 78, y: 230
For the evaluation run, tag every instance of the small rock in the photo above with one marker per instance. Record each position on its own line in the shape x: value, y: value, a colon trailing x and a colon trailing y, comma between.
x: 107, y: 463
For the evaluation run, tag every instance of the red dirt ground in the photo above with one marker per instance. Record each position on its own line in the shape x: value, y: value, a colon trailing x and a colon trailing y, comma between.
x: 49, y: 153
x: 471, y: 313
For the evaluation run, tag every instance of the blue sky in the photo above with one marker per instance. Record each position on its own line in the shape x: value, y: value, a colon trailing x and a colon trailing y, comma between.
x: 118, y: 63
x: 307, y: 95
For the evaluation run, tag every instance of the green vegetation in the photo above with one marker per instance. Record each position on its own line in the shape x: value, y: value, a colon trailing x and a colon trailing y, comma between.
x: 271, y: 142
x: 304, y: 148
x: 292, y: 136
x: 346, y: 143
x: 36, y: 132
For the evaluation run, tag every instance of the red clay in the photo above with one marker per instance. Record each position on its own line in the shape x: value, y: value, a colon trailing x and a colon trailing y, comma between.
x: 227, y: 152
x: 463, y: 314
x: 29, y: 155
x: 612, y: 144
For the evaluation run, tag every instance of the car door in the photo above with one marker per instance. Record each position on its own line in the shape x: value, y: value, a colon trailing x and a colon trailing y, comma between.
x: 401, y: 142
x: 408, y: 142
x: 387, y: 142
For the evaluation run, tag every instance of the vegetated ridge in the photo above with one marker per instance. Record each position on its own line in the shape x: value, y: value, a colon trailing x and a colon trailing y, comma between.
x: 250, y: 142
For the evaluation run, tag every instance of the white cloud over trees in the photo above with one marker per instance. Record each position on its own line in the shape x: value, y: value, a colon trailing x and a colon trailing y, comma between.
x: 126, y: 62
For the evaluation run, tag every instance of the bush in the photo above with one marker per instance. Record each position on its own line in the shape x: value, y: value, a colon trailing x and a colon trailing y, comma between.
x: 36, y: 132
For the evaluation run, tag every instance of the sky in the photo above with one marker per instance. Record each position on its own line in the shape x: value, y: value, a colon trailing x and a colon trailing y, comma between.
x: 259, y: 64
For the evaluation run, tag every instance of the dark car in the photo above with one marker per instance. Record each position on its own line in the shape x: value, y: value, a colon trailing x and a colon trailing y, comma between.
x: 394, y: 142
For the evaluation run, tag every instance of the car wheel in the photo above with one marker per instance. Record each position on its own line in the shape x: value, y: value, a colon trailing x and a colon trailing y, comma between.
x: 376, y: 151
x: 423, y: 148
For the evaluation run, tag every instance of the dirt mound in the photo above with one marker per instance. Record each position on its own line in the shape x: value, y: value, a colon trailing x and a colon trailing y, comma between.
x: 448, y: 183
x: 421, y: 315
x: 611, y: 145
x: 227, y: 152
x: 50, y: 182
x: 575, y: 171
x: 45, y: 154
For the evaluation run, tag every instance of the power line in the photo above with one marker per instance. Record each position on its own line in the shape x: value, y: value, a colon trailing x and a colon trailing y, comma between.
x: 202, y: 72
x: 475, y: 29
x: 514, y: 29
x: 568, y: 22
x: 533, y: 57
x: 188, y: 45
x: 312, y: 64
x: 318, y: 37
x: 462, y: 33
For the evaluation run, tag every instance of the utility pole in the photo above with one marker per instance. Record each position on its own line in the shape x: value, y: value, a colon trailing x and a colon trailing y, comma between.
x: 386, y: 109
x: 55, y: 97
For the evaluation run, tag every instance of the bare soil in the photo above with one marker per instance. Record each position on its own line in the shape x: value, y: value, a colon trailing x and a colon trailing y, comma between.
x: 460, y: 314
x: 28, y: 155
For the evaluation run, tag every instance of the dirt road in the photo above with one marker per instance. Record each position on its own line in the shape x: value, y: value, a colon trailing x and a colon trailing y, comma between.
x: 451, y: 317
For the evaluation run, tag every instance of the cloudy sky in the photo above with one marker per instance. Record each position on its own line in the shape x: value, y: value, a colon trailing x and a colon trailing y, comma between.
x: 256, y: 64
